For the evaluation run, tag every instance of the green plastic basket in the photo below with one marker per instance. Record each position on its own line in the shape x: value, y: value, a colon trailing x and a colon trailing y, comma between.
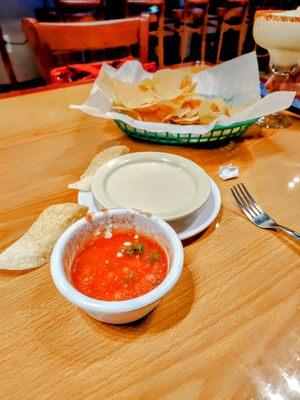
x: 217, y: 134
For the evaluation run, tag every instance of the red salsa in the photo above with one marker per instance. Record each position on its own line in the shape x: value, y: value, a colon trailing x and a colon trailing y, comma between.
x: 125, y: 266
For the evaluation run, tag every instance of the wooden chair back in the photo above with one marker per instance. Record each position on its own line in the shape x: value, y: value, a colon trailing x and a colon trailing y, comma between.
x: 78, y: 10
x: 234, y: 18
x: 236, y: 12
x: 156, y: 21
x: 148, y: 3
x: 6, y: 60
x: 46, y: 39
x: 191, y: 9
x: 195, y: 3
x: 77, y: 3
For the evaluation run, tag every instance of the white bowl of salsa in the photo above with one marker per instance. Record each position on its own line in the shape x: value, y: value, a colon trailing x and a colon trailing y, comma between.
x: 117, y: 264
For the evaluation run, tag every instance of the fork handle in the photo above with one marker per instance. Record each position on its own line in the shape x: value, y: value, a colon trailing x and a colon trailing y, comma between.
x: 287, y: 230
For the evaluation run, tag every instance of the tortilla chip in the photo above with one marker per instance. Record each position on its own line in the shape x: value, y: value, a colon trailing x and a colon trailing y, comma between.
x: 105, y: 82
x: 131, y: 95
x: 168, y: 96
x: 101, y: 158
x: 158, y: 112
x: 186, y: 121
x: 124, y: 110
x: 168, y: 82
x: 34, y: 248
x: 219, y: 106
x: 147, y: 84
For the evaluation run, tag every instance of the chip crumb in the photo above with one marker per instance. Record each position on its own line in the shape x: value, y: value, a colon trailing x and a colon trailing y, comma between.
x: 127, y: 244
x: 136, y: 236
x: 108, y: 234
x: 119, y: 254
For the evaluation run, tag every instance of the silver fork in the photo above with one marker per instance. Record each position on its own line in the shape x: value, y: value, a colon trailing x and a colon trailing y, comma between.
x: 255, y: 213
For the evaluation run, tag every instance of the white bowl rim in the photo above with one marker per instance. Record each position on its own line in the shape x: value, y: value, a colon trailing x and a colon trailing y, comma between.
x: 159, y: 155
x: 111, y: 307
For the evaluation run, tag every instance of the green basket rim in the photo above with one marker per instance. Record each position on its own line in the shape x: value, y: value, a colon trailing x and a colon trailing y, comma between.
x: 218, y: 134
x: 236, y: 124
x: 215, y: 128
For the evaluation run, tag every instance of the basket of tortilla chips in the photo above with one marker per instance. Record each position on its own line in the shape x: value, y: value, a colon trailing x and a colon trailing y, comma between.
x: 177, y: 106
x: 169, y: 97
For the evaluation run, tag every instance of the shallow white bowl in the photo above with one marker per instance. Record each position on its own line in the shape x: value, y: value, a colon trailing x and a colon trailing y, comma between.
x: 185, y: 230
x: 82, y: 232
x: 167, y: 185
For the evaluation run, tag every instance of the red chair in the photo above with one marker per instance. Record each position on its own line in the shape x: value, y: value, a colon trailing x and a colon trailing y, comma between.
x: 88, y: 72
x: 49, y: 39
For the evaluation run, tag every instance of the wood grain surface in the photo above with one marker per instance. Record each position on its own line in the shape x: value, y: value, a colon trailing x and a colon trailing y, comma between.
x: 227, y: 330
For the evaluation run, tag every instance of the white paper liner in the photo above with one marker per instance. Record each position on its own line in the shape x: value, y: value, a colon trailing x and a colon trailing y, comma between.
x: 237, y: 81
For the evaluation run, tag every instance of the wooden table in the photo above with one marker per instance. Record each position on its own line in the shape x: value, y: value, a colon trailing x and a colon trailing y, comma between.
x: 229, y: 326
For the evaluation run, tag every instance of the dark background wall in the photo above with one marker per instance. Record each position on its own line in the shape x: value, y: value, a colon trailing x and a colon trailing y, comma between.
x: 11, y: 12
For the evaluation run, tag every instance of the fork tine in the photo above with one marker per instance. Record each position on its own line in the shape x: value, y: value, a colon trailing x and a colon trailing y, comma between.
x: 248, y: 201
x: 259, y: 209
x: 243, y: 201
x: 237, y: 199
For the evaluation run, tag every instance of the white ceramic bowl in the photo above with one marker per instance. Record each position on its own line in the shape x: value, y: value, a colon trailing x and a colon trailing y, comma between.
x: 82, y: 232
x: 167, y: 185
